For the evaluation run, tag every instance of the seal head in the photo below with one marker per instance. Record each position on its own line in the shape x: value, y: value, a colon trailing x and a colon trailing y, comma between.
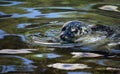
x: 72, y: 30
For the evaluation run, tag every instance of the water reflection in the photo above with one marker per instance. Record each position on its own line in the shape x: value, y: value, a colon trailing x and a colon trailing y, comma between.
x: 57, y: 8
x: 28, y: 25
x: 79, y: 73
x: 23, y: 25
x: 67, y: 66
x: 22, y: 37
x: 24, y: 65
x: 109, y: 8
x: 10, y: 3
x: 8, y: 41
x: 38, y: 25
x: 106, y: 62
x: 49, y: 13
x: 84, y: 54
x: 2, y: 32
x: 4, y: 15
x: 18, y: 51
x: 47, y: 55
x: 58, y: 14
x: 33, y: 13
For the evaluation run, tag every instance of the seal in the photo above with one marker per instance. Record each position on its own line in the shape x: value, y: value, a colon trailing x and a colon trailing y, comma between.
x: 73, y: 30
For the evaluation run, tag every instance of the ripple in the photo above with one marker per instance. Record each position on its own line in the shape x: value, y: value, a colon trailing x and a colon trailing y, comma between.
x: 26, y: 64
x: 78, y: 72
x: 10, y: 3
x: 66, y: 66
x: 106, y: 7
x: 57, y: 14
x: 23, y: 25
x: 12, y: 41
x: 109, y: 8
x: 57, y: 8
x: 91, y: 38
x: 2, y: 15
x: 38, y: 25
x: 50, y: 38
x: 85, y: 54
x: 52, y: 33
x: 117, y: 50
x: 112, y: 63
x: 28, y: 25
x: 33, y: 13
x: 2, y: 32
x: 48, y: 55
x: 18, y: 51
x: 106, y: 62
x: 18, y: 35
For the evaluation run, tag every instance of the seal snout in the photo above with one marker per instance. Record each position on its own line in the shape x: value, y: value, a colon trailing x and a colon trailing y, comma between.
x: 62, y: 37
x: 71, y: 30
x: 66, y: 37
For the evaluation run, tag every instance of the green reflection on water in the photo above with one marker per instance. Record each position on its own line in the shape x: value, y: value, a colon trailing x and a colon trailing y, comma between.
x: 91, y: 15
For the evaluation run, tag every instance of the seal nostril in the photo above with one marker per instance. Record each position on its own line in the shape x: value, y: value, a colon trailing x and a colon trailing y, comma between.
x: 62, y: 37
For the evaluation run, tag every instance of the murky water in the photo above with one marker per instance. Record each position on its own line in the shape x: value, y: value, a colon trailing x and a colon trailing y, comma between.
x: 29, y: 41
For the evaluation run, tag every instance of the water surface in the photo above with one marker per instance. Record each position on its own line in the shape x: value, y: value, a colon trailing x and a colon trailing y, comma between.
x: 23, y: 22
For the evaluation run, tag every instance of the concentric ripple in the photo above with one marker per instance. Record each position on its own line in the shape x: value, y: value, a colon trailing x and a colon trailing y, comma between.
x: 49, y: 37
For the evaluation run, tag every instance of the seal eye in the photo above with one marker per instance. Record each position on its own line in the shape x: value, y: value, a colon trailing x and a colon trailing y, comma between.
x: 63, y: 29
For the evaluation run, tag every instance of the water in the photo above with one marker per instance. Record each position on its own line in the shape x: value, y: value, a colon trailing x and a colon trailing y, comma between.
x: 29, y: 42
x: 10, y: 3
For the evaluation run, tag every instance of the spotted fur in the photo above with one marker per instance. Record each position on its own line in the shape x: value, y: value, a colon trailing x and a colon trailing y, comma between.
x: 75, y: 29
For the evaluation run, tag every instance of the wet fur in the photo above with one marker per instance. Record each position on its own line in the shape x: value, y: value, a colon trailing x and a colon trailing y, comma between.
x: 72, y: 30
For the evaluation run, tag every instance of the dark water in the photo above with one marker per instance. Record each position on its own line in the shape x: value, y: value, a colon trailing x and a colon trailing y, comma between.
x: 22, y: 19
